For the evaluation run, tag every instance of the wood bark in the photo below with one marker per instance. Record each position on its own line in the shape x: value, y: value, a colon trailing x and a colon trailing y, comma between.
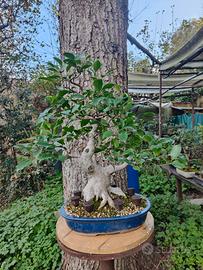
x: 97, y: 28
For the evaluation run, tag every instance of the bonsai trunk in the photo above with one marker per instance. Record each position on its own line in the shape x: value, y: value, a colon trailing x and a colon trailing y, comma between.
x: 99, y: 182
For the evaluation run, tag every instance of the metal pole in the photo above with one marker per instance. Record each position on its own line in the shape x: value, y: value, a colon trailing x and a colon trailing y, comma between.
x: 160, y: 105
x: 193, y: 108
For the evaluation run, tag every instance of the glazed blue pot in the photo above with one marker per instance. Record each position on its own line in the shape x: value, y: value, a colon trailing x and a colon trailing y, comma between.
x: 106, y: 225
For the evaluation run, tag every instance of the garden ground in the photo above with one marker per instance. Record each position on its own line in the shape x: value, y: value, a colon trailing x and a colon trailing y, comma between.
x: 27, y: 228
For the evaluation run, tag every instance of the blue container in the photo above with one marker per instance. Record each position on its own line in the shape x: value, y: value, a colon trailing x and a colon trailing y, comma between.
x: 105, y: 225
x: 133, y: 178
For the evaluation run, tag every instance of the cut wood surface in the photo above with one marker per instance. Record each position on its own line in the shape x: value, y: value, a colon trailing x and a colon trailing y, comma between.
x: 104, y: 244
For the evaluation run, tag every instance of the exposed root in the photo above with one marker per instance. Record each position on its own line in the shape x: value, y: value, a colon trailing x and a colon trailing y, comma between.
x: 98, y: 184
x: 116, y: 191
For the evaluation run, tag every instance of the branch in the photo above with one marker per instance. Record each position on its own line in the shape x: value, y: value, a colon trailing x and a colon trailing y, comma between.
x: 76, y: 84
x: 88, y: 152
x: 112, y: 169
x: 143, y: 49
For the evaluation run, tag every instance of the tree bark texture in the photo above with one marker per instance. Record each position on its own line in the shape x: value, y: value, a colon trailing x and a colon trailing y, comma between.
x: 97, y: 28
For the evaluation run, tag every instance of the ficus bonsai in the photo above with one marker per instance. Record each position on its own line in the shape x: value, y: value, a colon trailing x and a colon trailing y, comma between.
x: 101, y: 115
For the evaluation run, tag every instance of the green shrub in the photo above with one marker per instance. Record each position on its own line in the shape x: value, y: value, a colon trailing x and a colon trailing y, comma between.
x: 179, y: 227
x: 27, y: 231
x: 155, y: 181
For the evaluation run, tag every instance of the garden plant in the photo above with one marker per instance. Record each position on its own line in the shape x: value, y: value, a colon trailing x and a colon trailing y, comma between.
x: 101, y: 120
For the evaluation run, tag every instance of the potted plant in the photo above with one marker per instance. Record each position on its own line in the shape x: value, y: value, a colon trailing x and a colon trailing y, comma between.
x: 192, y: 148
x: 101, y: 116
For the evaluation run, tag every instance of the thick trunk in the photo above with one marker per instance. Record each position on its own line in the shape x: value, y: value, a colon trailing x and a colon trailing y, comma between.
x: 97, y: 28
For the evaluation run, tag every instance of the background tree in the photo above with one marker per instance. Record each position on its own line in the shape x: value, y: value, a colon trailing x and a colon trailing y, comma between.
x: 98, y: 29
x: 169, y: 42
x: 18, y: 26
x: 19, y: 20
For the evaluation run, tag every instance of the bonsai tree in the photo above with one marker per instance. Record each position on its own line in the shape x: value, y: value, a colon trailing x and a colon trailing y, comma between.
x: 99, y: 119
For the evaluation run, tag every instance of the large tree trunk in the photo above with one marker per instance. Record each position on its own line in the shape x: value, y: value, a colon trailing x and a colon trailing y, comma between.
x: 97, y: 28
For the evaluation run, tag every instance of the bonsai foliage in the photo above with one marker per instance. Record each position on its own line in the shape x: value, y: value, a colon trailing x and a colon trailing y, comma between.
x: 98, y: 112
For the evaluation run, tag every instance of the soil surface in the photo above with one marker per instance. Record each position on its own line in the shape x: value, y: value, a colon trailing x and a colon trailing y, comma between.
x: 128, y: 208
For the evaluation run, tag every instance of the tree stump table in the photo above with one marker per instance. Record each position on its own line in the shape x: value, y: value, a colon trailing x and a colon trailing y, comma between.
x: 104, y: 247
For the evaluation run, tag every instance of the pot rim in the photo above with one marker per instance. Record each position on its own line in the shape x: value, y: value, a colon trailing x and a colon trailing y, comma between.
x: 65, y: 214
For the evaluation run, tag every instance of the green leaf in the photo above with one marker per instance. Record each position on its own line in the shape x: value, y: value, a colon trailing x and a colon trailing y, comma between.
x: 77, y: 97
x: 69, y: 56
x: 23, y: 164
x: 84, y: 122
x: 147, y: 138
x: 44, y: 144
x: 51, y: 65
x: 96, y: 66
x: 179, y: 163
x: 98, y: 83
x: 107, y: 134
x: 97, y: 100
x: 123, y: 136
x: 58, y: 60
x: 44, y: 156
x: 175, y: 151
x: 62, y: 158
x: 62, y: 93
x: 156, y: 149
x: 87, y: 65
x: 75, y: 108
x: 108, y: 86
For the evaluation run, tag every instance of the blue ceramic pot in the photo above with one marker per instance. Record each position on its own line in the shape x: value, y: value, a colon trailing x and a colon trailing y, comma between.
x: 105, y: 225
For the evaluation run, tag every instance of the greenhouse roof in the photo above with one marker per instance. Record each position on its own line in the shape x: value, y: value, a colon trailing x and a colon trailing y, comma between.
x: 181, y: 71
x: 189, y: 56
x: 149, y: 83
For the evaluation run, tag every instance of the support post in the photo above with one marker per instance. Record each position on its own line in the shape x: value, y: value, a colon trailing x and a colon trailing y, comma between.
x: 179, y: 190
x: 160, y: 105
x: 193, y: 108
